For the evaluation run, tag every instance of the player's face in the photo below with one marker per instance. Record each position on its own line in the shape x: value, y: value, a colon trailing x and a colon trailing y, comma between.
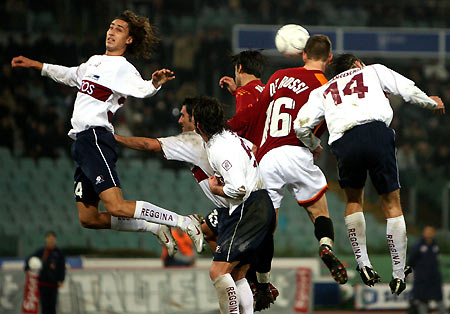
x: 186, y: 122
x: 50, y: 240
x: 117, y: 38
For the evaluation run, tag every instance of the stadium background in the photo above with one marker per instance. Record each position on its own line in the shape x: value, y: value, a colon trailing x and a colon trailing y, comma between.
x: 36, y: 192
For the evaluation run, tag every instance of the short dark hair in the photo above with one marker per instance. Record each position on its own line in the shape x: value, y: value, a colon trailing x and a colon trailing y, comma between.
x: 208, y: 114
x: 144, y: 38
x: 252, y: 62
x: 189, y: 102
x: 343, y: 63
x: 318, y: 47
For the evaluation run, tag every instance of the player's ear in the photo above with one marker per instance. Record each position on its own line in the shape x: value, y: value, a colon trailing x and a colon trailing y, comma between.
x: 359, y: 64
x: 304, y: 56
x: 239, y: 68
x: 330, y: 58
x: 129, y: 40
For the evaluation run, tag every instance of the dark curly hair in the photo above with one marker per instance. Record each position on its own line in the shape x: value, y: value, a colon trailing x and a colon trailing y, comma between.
x: 208, y: 116
x: 144, y: 38
x: 343, y: 63
x: 252, y: 62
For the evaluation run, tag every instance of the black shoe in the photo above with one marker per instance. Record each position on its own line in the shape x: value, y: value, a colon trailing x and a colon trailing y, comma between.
x: 368, y: 275
x: 336, y: 268
x: 408, y: 270
x: 263, y: 297
x: 397, y: 286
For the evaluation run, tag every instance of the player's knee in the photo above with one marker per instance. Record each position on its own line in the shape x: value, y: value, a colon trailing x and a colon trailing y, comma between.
x: 88, y: 222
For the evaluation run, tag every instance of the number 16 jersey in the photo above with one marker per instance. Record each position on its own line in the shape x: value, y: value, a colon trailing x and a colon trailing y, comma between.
x: 285, y: 93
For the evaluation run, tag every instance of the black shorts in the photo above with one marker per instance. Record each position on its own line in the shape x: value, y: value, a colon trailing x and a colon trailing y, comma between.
x: 95, y: 154
x: 241, y: 233
x: 367, y: 147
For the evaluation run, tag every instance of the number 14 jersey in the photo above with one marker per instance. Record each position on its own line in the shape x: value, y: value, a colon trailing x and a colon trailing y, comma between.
x: 285, y: 93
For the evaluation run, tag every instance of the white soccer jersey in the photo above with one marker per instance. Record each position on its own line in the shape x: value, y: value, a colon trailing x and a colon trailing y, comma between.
x: 103, y: 83
x: 189, y: 147
x: 355, y: 97
x: 231, y: 159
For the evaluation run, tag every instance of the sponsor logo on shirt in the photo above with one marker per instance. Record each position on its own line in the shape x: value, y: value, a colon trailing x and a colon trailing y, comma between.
x: 226, y: 165
x: 95, y: 90
x: 218, y: 249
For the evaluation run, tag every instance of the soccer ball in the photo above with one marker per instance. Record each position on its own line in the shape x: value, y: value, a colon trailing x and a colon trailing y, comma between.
x: 34, y: 263
x: 291, y: 40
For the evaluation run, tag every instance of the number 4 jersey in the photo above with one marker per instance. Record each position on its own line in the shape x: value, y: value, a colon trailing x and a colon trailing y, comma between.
x: 355, y: 97
x: 285, y: 93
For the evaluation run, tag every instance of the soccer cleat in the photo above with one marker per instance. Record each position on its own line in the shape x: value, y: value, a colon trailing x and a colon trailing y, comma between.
x: 165, y: 237
x: 274, y: 291
x: 337, y: 270
x: 408, y: 270
x: 368, y: 275
x: 194, y: 231
x: 263, y: 297
x: 397, y: 286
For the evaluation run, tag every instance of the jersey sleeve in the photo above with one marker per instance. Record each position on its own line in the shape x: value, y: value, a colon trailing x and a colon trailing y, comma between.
x: 182, y: 147
x: 129, y: 82
x: 240, y: 121
x: 64, y: 75
x: 309, y: 116
x: 395, y: 83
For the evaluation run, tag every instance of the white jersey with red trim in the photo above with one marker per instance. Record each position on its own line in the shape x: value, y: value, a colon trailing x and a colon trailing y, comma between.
x: 355, y: 97
x: 189, y: 147
x: 103, y: 83
x: 231, y: 158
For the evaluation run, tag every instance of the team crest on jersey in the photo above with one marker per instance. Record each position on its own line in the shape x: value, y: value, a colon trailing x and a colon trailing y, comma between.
x: 99, y: 180
x: 218, y: 249
x: 226, y: 165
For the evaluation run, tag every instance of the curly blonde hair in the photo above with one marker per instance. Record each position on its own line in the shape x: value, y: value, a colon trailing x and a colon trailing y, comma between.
x: 144, y: 38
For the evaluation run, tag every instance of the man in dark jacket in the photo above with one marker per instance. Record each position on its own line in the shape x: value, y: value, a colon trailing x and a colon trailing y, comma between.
x: 52, y: 273
x: 424, y: 259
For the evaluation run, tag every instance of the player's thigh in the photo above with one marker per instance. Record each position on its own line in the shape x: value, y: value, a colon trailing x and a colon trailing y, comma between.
x: 382, y: 160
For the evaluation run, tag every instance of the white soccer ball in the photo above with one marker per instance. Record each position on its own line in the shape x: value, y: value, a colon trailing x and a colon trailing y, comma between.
x: 291, y: 39
x: 34, y: 263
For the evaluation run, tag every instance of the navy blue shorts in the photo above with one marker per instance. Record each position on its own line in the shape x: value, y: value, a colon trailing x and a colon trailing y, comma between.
x: 95, y: 154
x: 239, y: 238
x: 366, y: 148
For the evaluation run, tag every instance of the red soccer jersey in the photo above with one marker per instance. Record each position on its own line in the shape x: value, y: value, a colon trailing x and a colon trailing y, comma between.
x: 285, y: 93
x: 246, y: 97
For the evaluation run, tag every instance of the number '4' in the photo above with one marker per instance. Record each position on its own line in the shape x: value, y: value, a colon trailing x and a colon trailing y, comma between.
x: 359, y: 89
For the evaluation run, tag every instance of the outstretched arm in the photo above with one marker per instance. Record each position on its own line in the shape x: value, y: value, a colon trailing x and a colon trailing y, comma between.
x: 440, y: 109
x: 24, y: 62
x: 139, y: 143
x: 228, y: 83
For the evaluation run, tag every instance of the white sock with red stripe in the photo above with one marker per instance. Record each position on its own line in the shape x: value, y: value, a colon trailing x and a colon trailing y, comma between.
x: 245, y: 296
x: 133, y: 225
x: 156, y: 214
x: 356, y: 232
x: 227, y: 294
x: 397, y: 242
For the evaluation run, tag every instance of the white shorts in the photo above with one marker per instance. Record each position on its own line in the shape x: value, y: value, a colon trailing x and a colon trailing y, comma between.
x: 292, y: 167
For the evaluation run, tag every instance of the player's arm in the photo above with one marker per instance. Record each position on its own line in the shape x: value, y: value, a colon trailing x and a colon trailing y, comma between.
x: 24, y: 62
x: 129, y: 82
x: 308, y: 117
x: 395, y: 83
x: 216, y: 186
x: 139, y: 143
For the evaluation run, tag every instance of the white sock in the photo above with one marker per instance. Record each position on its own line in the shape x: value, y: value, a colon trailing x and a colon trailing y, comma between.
x: 397, y: 242
x: 133, y: 225
x: 356, y: 232
x: 156, y: 214
x: 263, y: 277
x: 227, y: 294
x: 245, y: 296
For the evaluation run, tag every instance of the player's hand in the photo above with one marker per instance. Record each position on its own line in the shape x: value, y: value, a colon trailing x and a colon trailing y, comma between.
x: 316, y: 152
x: 229, y: 83
x: 440, y: 109
x: 159, y: 77
x: 24, y: 62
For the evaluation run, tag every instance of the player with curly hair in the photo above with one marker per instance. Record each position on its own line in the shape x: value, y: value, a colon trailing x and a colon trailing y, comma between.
x: 104, y: 82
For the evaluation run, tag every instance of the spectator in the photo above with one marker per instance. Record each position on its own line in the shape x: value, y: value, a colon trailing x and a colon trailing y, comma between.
x: 427, y: 286
x: 52, y: 273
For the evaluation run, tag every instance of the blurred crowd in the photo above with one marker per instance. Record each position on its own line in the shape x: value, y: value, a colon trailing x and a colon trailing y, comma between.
x: 196, y: 44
